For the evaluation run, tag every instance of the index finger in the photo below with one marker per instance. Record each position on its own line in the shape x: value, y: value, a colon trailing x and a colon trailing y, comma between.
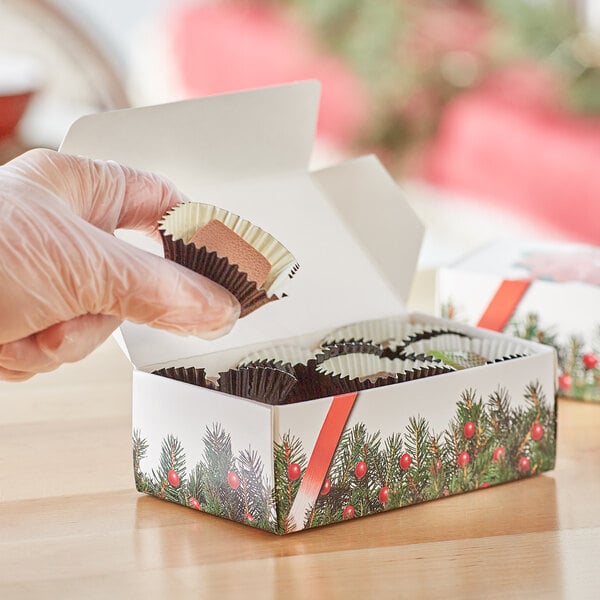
x: 104, y: 193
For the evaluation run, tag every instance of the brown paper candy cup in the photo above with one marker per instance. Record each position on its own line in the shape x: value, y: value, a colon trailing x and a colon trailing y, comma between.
x: 180, y: 224
x: 191, y: 375
x: 346, y: 348
x: 340, y: 372
x: 270, y: 384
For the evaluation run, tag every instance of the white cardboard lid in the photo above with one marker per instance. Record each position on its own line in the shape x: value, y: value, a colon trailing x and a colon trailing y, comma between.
x: 354, y: 235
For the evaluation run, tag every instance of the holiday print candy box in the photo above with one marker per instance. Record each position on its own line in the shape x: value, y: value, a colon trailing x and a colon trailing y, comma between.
x: 546, y: 292
x: 332, y: 403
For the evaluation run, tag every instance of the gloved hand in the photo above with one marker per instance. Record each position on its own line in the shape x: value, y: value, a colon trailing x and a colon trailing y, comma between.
x: 66, y: 282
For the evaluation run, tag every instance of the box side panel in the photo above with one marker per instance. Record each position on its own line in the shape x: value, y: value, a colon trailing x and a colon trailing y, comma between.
x: 425, y: 439
x: 203, y: 449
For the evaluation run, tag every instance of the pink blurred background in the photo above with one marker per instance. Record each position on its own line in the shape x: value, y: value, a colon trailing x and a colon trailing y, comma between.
x: 487, y: 111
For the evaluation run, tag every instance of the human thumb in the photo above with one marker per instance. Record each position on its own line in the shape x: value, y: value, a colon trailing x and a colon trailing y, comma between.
x: 144, y: 288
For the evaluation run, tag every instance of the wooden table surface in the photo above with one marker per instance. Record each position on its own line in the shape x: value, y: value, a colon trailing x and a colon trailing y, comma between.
x: 73, y: 526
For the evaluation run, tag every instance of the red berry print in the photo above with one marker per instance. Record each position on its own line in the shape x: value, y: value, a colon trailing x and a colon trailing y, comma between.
x: 348, y: 512
x: 248, y: 517
x: 293, y: 471
x: 360, y: 470
x: 173, y: 478
x: 537, y: 432
x: 326, y: 487
x: 485, y: 484
x: 384, y: 494
x: 590, y: 360
x: 469, y: 429
x: 524, y: 465
x: 194, y: 503
x: 463, y: 459
x: 233, y: 480
x: 405, y: 461
x: 565, y: 381
x: 498, y: 455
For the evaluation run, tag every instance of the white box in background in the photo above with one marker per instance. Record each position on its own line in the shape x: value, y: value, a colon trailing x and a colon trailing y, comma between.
x: 546, y: 292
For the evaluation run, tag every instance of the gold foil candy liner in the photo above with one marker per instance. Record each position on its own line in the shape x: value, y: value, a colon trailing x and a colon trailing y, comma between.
x: 180, y: 224
x: 191, y: 375
x: 270, y: 384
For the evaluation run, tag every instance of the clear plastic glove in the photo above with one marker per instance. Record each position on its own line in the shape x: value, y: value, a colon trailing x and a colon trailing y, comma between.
x: 66, y: 282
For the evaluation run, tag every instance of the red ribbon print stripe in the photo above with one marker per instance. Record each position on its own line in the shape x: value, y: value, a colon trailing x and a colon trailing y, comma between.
x: 322, y: 455
x: 503, y: 304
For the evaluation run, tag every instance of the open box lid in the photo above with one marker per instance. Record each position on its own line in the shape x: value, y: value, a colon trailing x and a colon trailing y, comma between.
x: 349, y: 227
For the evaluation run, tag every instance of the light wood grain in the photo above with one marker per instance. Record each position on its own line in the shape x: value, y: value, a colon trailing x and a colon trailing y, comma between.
x: 72, y: 525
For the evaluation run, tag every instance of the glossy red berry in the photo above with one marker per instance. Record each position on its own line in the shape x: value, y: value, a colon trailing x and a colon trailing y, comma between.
x: 498, y: 454
x: 326, y: 487
x: 384, y: 494
x: 469, y: 429
x: 293, y: 471
x: 524, y: 465
x: 173, y: 478
x: 360, y: 470
x: 405, y: 461
x: 233, y: 480
x: 565, y: 381
x: 537, y: 432
x: 194, y: 503
x: 590, y: 360
x: 463, y: 459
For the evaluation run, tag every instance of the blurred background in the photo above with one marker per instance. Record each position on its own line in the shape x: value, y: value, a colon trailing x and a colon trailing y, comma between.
x: 486, y: 111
